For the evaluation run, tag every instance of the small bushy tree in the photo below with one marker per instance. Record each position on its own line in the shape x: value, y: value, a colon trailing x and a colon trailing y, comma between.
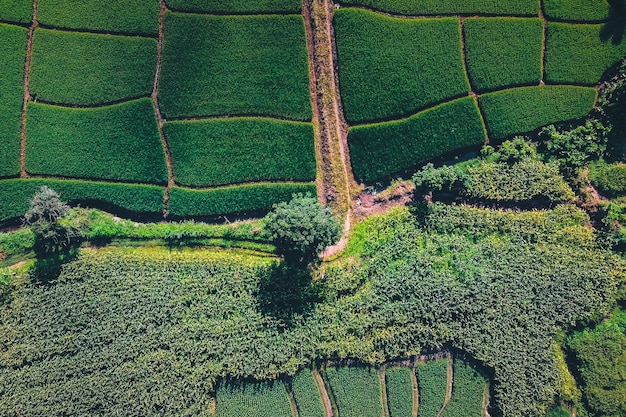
x: 302, y: 228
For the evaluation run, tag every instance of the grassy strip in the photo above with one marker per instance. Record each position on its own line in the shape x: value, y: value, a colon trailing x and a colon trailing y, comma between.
x: 503, y: 52
x: 382, y: 149
x: 390, y: 68
x: 227, y: 151
x: 587, y: 10
x: 16, y: 11
x: 524, y: 109
x: 238, y: 65
x: 467, y: 392
x: 357, y: 391
x: 13, y: 47
x: 132, y: 197
x: 307, y: 395
x: 399, y: 392
x: 236, y: 199
x: 433, y: 384
x: 87, y: 69
x: 437, y: 7
x: 262, y: 399
x: 580, y: 54
x: 119, y: 142
x: 237, y: 6
x: 123, y: 16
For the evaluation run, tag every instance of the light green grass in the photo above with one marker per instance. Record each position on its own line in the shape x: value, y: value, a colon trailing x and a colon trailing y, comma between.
x: 16, y: 11
x: 503, y: 52
x: 383, y: 149
x: 307, y: 396
x: 391, y: 68
x: 399, y: 392
x: 87, y: 69
x: 12, y: 57
x: 228, y: 151
x: 235, y: 199
x: 237, y: 6
x: 524, y: 109
x: 579, y: 10
x: 261, y: 399
x: 119, y: 142
x: 468, y: 388
x: 235, y: 65
x: 131, y: 197
x: 580, y: 54
x: 119, y: 16
x: 356, y: 391
x: 449, y: 7
x: 432, y: 380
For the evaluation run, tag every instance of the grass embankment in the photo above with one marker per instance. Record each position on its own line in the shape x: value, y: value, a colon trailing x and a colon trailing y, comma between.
x: 451, y: 7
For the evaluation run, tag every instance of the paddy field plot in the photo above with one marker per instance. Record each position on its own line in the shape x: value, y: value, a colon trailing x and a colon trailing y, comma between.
x: 262, y: 399
x: 307, y: 395
x: 356, y: 391
x: 577, y: 10
x: 451, y: 7
x: 16, y: 11
x: 399, y: 391
x: 237, y: 6
x: 432, y: 384
x: 468, y: 389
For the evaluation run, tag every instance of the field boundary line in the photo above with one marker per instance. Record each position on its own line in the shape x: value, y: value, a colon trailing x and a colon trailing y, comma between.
x: 27, y: 96
x: 232, y: 14
x: 292, y: 401
x: 544, y: 43
x: 159, y: 116
x: 416, y: 397
x: 450, y: 374
x: 384, y: 402
x: 321, y: 387
x: 432, y: 16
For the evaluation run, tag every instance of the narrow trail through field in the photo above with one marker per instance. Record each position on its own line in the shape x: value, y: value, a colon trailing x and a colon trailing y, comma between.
x: 319, y: 381
x: 384, y: 402
x: 449, y: 389
x: 27, y: 96
x: 159, y: 116
x: 544, y: 43
x: 292, y: 403
x: 416, y: 395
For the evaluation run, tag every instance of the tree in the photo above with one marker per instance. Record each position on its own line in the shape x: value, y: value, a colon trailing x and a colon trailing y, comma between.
x: 302, y: 228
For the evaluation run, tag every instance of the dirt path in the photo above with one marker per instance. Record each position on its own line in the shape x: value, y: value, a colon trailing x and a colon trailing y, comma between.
x: 319, y: 381
x: 384, y: 402
x: 292, y: 403
x: 160, y: 120
x: 416, y: 395
x: 449, y: 390
x: 27, y: 96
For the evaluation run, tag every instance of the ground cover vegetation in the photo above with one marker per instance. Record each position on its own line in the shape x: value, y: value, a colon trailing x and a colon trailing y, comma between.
x: 118, y: 142
x: 381, y: 149
x: 503, y: 52
x: 432, y: 382
x: 450, y: 7
x: 468, y: 390
x: 88, y: 69
x: 578, y: 10
x: 399, y: 391
x: 227, y: 65
x: 268, y: 399
x: 238, y: 6
x: 121, y: 16
x: 307, y: 395
x: 16, y: 11
x: 227, y: 151
x: 13, y: 46
x: 396, y: 66
x: 356, y: 390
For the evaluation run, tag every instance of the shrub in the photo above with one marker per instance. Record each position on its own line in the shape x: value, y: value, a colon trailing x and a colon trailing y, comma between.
x: 588, y: 10
x: 468, y: 389
x: 392, y: 68
x: 88, y: 69
x: 503, y: 52
x: 399, y: 392
x: 237, y: 6
x: 122, y: 16
x: 43, y: 218
x: 307, y: 395
x: 609, y: 179
x: 451, y: 7
x: 13, y: 47
x: 119, y: 142
x: 235, y: 65
x: 559, y: 411
x: 238, y: 150
x: 262, y: 399
x: 525, y: 109
x: 17, y: 11
x: 382, y: 149
x: 302, y: 228
x: 432, y: 378
x: 356, y: 391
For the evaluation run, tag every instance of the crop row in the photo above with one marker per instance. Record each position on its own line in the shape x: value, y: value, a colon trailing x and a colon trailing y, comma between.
x: 468, y: 389
x: 399, y: 392
x: 578, y: 10
x: 451, y: 7
x: 433, y: 384
x: 356, y: 391
x: 262, y: 399
x: 307, y: 395
x: 237, y: 6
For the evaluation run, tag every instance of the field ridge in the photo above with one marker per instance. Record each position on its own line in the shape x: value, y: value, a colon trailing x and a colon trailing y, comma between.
x: 27, y: 96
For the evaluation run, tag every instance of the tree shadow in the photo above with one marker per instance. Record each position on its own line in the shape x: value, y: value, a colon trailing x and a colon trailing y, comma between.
x: 48, y: 265
x: 614, y: 29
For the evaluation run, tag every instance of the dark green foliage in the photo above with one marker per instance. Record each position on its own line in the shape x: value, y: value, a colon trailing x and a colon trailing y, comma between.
x: 43, y: 218
x: 237, y: 6
x: 133, y: 197
x: 609, y: 179
x: 468, y: 388
x: 18, y: 11
x: 438, y: 7
x: 612, y: 109
x: 121, y: 16
x: 432, y: 382
x: 585, y: 10
x: 444, y: 178
x: 262, y: 399
x: 119, y: 142
x: 18, y: 242
x: 302, y: 228
x: 399, y: 392
x: 235, y: 199
x: 601, y: 360
x: 503, y: 52
x: 559, y: 412
x: 356, y: 391
x: 307, y: 395
x: 87, y: 69
x: 13, y: 47
x: 581, y: 53
x: 524, y: 109
x: 235, y: 65
x: 227, y: 151
x: 382, y: 149
x: 391, y: 68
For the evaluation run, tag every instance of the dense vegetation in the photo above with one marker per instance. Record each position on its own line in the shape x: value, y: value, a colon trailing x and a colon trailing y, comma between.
x: 237, y: 6
x: 119, y: 142
x: 356, y: 391
x: 432, y: 384
x: 88, y: 69
x: 589, y: 10
x: 437, y: 7
x: 227, y: 65
x: 307, y: 395
x: 468, y: 390
x: 237, y: 150
x: 503, y: 52
x: 380, y: 58
x: 240, y: 399
x: 17, y: 11
x: 399, y: 391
